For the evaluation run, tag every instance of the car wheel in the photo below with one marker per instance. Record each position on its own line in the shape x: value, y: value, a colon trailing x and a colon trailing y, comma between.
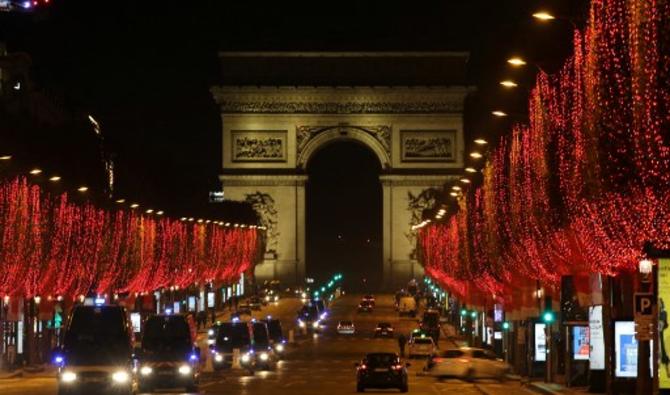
x: 404, y: 388
x: 360, y: 388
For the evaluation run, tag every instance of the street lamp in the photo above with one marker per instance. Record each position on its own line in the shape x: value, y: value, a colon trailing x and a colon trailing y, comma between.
x: 516, y: 61
x: 509, y: 84
x: 499, y: 113
x: 481, y: 142
x: 646, y: 266
x: 5, y: 157
x: 543, y: 16
x: 36, y: 171
x: 82, y: 188
x: 54, y: 179
x: 476, y: 155
x: 470, y: 170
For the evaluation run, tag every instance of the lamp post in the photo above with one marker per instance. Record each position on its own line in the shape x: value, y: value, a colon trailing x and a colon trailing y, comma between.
x: 643, y: 382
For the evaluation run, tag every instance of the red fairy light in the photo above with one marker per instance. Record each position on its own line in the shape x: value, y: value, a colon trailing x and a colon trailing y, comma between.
x: 51, y: 246
x: 586, y: 183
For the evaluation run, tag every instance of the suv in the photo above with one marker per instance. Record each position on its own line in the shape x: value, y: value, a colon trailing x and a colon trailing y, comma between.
x: 261, y: 355
x: 308, y: 317
x: 228, y: 337
x: 168, y: 357
x: 381, y: 370
x: 96, y: 356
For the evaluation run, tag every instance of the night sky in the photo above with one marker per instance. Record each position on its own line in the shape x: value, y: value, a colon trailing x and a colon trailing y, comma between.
x: 144, y: 69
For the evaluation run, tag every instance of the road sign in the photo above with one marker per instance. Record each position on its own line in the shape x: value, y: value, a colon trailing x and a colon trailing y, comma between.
x: 644, y: 306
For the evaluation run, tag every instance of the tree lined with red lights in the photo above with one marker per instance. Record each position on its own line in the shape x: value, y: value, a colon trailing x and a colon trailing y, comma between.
x: 53, y: 247
x: 586, y: 182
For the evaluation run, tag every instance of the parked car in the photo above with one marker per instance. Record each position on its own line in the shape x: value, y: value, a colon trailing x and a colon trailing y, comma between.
x: 381, y: 370
x: 467, y: 363
x: 384, y: 329
x: 346, y: 328
x: 421, y: 347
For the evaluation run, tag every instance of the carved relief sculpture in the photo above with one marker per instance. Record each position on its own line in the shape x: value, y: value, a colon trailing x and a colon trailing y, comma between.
x: 416, y: 204
x: 264, y: 205
x: 258, y: 146
x: 428, y: 145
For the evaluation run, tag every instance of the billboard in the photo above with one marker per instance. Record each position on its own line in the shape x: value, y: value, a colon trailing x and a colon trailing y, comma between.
x: 625, y: 349
x: 540, y: 343
x: 664, y: 329
x: 136, y: 321
x: 580, y: 343
x: 597, y: 338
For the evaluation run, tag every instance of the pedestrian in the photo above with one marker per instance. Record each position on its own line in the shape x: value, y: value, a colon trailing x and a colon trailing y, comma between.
x: 402, y: 340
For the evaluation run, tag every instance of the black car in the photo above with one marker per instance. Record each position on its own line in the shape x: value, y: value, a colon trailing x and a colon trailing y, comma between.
x: 229, y: 337
x: 365, y: 307
x: 276, y: 335
x: 381, y: 370
x: 96, y: 356
x: 430, y: 324
x: 168, y: 357
x: 384, y: 329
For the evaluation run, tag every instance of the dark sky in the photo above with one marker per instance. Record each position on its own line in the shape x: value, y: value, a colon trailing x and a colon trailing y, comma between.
x: 144, y: 68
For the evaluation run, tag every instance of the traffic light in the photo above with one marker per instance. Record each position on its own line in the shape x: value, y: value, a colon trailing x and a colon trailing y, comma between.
x: 505, y: 325
x: 464, y: 312
x: 548, y: 317
x: 473, y: 314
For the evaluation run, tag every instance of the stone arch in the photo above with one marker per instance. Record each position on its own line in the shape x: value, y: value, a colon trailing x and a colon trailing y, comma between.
x: 334, y: 134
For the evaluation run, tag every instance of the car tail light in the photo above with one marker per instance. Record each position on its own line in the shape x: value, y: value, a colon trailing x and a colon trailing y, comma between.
x: 438, y: 360
x: 362, y: 367
x: 396, y: 367
x: 462, y: 360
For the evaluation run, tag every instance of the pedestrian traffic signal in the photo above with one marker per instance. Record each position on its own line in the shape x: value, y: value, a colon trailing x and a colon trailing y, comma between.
x: 464, y: 312
x: 505, y: 325
x: 548, y: 317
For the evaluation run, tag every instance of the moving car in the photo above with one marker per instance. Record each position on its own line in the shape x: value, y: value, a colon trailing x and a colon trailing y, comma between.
x: 430, y: 324
x: 346, y: 328
x: 255, y: 303
x: 309, y: 317
x: 96, y: 356
x: 381, y: 370
x: 261, y: 355
x: 421, y: 346
x: 276, y: 336
x: 168, y: 357
x: 384, y: 329
x: 407, y: 306
x: 230, y: 336
x: 244, y: 309
x: 370, y: 299
x: 467, y: 363
x: 365, y: 307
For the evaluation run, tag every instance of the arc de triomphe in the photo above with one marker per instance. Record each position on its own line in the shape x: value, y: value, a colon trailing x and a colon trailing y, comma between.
x: 272, y: 126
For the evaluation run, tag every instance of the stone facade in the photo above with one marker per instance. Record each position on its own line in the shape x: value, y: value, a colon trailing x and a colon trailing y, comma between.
x: 270, y: 134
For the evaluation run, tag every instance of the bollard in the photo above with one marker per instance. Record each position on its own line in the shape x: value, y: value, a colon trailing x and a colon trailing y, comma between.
x: 209, y: 363
x: 291, y: 336
x: 236, y: 359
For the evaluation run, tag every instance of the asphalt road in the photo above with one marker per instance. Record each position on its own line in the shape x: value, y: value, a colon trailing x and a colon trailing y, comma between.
x: 317, y: 364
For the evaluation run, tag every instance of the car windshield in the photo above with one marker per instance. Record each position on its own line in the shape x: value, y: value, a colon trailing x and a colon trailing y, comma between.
x: 167, y: 336
x: 320, y: 305
x: 346, y: 323
x: 423, y: 341
x: 97, y: 336
x: 233, y: 335
x: 381, y: 359
x: 260, y: 334
x: 274, y: 327
x: 431, y: 319
x: 309, y: 312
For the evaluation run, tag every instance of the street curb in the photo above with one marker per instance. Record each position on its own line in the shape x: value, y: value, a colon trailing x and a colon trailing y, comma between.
x: 13, y: 375
x: 542, y: 390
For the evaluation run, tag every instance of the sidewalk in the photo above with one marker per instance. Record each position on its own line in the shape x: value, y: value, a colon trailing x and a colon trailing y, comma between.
x: 552, y: 388
x: 30, y: 372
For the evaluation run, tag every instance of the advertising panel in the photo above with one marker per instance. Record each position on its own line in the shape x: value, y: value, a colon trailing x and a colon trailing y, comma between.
x: 191, y: 303
x: 580, y: 343
x: 663, y: 329
x: 210, y: 299
x: 176, y: 307
x: 597, y: 338
x: 540, y: 343
x: 136, y: 322
x: 625, y: 348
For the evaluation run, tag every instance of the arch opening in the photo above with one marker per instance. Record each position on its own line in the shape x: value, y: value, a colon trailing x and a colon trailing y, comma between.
x: 344, y: 214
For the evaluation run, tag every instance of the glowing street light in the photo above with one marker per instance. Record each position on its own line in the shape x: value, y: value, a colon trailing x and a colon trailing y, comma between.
x: 499, y: 113
x: 36, y: 171
x: 5, y: 157
x: 465, y: 180
x: 543, y: 16
x: 150, y: 211
x: 481, y: 142
x: 82, y: 188
x: 646, y: 266
x: 120, y: 201
x: 160, y: 212
x: 54, y: 179
x: 516, y: 61
x: 134, y: 205
x: 476, y: 155
x: 454, y: 194
x: 456, y: 188
x: 470, y: 170
x: 509, y: 84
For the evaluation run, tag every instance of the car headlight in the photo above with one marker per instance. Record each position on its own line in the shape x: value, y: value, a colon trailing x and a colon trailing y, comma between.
x: 279, y: 347
x: 246, y: 358
x: 185, y: 369
x: 218, y: 358
x: 276, y: 298
x: 301, y: 324
x: 146, y: 370
x: 68, y: 377
x: 210, y: 332
x: 120, y: 377
x: 267, y: 298
x: 315, y: 325
x: 264, y: 356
